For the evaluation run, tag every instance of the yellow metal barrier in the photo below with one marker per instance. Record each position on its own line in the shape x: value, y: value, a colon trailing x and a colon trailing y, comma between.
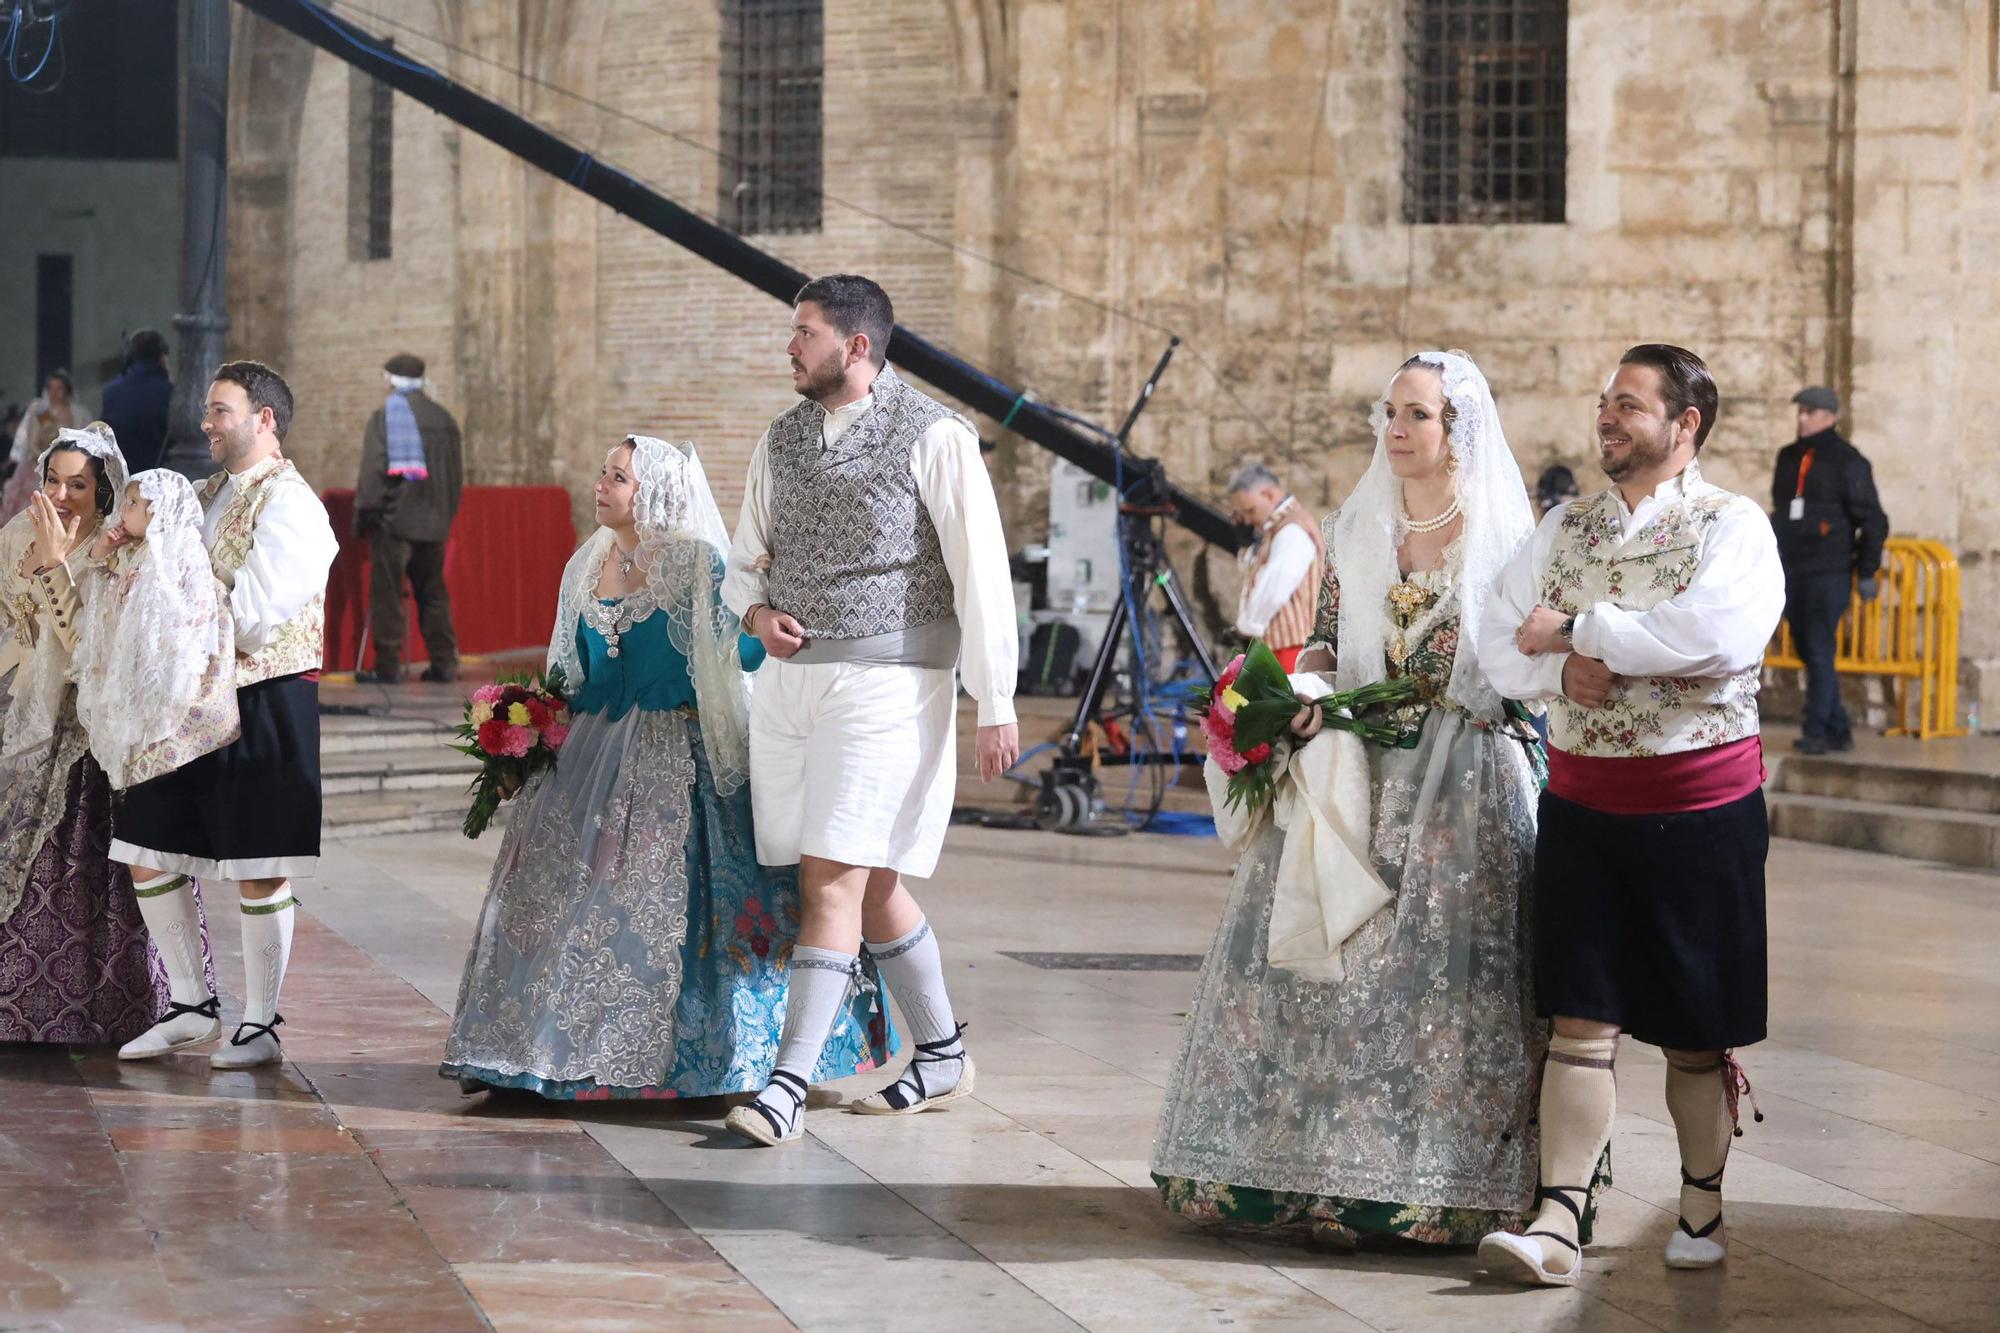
x: 1909, y: 633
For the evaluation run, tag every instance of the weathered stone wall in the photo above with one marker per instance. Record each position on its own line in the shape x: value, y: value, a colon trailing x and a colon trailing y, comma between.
x: 1801, y: 190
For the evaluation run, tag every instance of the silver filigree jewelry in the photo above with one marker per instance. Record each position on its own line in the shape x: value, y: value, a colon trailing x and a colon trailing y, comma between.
x: 627, y: 560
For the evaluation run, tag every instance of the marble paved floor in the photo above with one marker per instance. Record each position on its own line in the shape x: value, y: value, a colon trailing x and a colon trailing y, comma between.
x: 351, y: 1188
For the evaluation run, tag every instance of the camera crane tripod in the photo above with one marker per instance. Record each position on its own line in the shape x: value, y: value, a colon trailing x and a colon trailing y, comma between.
x: 1070, y: 801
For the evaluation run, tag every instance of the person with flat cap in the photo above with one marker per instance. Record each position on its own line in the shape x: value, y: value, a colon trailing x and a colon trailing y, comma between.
x: 1831, y: 528
x: 412, y: 473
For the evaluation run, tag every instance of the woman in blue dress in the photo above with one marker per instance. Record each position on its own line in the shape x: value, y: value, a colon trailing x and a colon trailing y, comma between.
x: 630, y: 944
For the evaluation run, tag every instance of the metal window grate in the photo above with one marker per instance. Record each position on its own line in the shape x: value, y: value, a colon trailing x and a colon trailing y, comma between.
x: 773, y: 56
x: 370, y: 166
x: 1484, y: 110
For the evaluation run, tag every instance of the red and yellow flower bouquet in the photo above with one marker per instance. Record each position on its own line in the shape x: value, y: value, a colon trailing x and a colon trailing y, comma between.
x: 513, y: 727
x: 1248, y: 717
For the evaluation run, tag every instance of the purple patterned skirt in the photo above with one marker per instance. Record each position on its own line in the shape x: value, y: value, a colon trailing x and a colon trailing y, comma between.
x: 76, y: 964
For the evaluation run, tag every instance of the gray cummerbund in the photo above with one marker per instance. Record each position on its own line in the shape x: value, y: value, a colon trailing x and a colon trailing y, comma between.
x: 934, y: 645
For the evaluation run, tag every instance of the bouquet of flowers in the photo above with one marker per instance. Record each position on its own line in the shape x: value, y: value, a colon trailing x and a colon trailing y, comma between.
x: 1248, y: 718
x: 513, y: 727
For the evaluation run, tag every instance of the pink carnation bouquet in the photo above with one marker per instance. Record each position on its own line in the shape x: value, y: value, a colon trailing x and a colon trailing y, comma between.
x: 513, y: 727
x: 1248, y: 715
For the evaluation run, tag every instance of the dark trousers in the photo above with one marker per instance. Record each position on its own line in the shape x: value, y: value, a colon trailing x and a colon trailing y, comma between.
x: 423, y: 562
x: 1814, y: 604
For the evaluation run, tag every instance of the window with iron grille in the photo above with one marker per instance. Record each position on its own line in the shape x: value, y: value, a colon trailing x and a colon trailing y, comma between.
x: 772, y: 60
x: 370, y: 162
x: 1485, y: 95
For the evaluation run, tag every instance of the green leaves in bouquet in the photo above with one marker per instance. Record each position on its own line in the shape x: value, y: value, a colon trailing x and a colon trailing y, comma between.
x: 1269, y: 704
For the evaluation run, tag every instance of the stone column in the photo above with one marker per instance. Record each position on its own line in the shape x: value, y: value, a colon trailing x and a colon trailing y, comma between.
x: 203, y: 318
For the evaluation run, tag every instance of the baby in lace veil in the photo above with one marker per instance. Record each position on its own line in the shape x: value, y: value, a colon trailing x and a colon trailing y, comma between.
x: 155, y: 663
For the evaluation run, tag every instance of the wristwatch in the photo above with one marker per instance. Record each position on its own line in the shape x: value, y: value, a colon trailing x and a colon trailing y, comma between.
x: 1569, y: 630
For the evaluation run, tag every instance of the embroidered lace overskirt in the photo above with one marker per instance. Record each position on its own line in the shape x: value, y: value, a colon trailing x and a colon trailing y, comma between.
x: 1409, y: 1081
x: 630, y: 944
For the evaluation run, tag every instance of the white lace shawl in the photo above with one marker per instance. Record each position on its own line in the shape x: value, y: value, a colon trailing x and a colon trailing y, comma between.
x: 1370, y: 527
x: 43, y: 675
x: 683, y: 547
x: 151, y: 632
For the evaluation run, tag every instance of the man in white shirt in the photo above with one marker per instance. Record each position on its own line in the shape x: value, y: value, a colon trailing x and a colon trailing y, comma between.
x: 1281, y: 569
x: 251, y: 810
x: 1641, y: 615
x: 869, y: 560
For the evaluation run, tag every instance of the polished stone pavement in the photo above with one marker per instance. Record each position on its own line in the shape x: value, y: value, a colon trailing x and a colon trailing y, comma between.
x: 351, y: 1188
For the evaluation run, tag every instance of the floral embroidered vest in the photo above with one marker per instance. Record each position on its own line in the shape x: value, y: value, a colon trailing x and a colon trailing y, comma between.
x: 1593, y: 561
x: 299, y: 643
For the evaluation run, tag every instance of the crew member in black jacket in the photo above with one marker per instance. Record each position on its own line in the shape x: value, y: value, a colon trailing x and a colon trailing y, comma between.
x: 1830, y: 533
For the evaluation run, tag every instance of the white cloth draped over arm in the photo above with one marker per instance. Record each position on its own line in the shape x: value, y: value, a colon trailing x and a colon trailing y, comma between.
x: 290, y: 553
x: 1290, y: 561
x: 952, y: 482
x: 1513, y: 673
x: 1718, y: 625
x: 744, y: 585
x: 1326, y: 885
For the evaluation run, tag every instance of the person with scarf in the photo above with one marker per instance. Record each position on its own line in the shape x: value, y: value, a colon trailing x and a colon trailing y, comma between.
x: 1373, y: 1075
x: 630, y: 945
x: 412, y: 477
x: 77, y: 963
x: 1641, y: 614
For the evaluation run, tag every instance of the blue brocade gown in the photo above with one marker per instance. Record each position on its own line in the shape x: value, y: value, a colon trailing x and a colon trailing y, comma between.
x: 630, y: 944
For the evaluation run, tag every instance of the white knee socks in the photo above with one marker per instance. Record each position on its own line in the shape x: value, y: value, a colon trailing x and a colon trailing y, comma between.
x: 1698, y: 1101
x: 267, y: 947
x: 1579, y: 1102
x: 913, y: 969
x: 167, y: 906
x: 818, y: 982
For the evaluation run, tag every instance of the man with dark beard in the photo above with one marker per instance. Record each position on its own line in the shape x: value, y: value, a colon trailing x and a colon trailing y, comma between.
x: 870, y: 561
x: 1641, y: 615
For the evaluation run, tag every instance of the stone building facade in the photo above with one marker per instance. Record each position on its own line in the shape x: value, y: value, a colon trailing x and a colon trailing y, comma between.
x: 1801, y: 190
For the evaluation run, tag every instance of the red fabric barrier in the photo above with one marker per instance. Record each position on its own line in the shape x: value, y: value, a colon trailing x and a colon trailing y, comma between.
x: 503, y: 565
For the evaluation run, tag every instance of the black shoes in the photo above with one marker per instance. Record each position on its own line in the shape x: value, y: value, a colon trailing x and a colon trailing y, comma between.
x: 441, y: 675
x: 1814, y: 745
x: 378, y: 677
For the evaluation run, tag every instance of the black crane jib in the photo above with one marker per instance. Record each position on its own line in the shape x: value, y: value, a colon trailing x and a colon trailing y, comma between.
x: 1144, y: 481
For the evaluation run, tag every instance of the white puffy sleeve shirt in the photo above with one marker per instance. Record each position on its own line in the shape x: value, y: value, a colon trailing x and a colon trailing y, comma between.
x: 1720, y: 624
x: 291, y: 550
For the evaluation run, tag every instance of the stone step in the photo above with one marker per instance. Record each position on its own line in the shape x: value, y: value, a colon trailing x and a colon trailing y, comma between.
x: 1890, y: 784
x: 413, y: 768
x: 352, y: 734
x: 355, y: 815
x: 1954, y: 837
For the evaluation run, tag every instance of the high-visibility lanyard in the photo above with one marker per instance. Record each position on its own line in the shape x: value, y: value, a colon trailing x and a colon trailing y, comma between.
x: 1805, y: 466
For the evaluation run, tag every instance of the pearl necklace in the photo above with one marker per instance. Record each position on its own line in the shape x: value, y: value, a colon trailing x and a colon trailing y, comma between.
x: 1432, y: 524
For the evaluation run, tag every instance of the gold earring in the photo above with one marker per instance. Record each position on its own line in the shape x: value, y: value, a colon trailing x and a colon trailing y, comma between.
x: 1451, y: 462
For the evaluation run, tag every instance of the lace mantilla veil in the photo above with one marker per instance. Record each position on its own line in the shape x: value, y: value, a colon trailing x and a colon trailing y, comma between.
x: 1370, y: 527
x: 682, y: 547
x: 38, y: 685
x: 141, y: 660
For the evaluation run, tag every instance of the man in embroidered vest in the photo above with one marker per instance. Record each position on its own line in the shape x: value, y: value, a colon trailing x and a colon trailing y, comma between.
x: 1281, y: 569
x: 1641, y: 615
x: 869, y: 560
x: 249, y: 811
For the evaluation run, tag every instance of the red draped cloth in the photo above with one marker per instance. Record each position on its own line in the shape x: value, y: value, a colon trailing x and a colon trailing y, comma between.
x: 503, y: 565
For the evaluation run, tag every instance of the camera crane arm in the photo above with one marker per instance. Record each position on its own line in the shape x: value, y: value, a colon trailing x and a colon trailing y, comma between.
x: 1014, y: 408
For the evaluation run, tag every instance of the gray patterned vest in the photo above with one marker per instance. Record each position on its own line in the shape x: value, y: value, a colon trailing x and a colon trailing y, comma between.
x: 853, y: 550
